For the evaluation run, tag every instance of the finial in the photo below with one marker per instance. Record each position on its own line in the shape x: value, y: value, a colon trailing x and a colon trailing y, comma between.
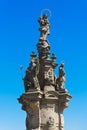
x: 33, y: 55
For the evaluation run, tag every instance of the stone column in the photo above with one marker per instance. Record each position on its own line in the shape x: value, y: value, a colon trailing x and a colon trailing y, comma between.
x: 45, y: 96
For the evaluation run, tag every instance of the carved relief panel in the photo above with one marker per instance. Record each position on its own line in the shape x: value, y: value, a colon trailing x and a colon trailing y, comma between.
x: 49, y: 75
x: 49, y: 117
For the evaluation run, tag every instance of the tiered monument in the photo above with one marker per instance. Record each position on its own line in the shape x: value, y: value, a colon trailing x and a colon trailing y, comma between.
x: 45, y: 95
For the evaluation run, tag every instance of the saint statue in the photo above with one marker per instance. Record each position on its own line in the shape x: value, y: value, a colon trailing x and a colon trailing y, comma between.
x: 31, y: 79
x: 44, y: 27
x: 62, y: 77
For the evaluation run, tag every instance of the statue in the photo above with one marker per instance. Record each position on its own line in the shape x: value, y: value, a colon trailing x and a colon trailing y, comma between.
x: 43, y: 45
x: 61, y: 79
x: 27, y: 80
x: 44, y: 27
x: 35, y: 75
x: 31, y: 80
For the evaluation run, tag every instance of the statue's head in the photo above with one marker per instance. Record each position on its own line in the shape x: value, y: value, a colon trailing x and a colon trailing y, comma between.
x: 43, y: 20
x: 45, y: 17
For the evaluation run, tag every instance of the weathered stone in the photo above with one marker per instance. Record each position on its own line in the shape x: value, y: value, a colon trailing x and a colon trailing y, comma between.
x: 45, y: 96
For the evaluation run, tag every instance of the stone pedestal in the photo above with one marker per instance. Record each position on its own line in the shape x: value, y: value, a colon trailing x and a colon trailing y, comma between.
x: 44, y: 110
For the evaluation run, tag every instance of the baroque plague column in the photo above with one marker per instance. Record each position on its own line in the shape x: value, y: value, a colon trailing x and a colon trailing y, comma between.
x: 45, y: 96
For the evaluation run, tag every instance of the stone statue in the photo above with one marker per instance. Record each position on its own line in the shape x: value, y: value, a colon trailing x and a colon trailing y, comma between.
x: 44, y: 27
x: 27, y: 80
x: 35, y: 75
x: 62, y: 77
x: 31, y: 80
x: 43, y: 45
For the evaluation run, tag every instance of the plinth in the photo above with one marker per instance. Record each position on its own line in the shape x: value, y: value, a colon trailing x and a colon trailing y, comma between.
x: 44, y: 110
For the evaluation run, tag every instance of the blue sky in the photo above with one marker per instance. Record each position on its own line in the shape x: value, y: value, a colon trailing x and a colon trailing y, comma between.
x: 68, y: 39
